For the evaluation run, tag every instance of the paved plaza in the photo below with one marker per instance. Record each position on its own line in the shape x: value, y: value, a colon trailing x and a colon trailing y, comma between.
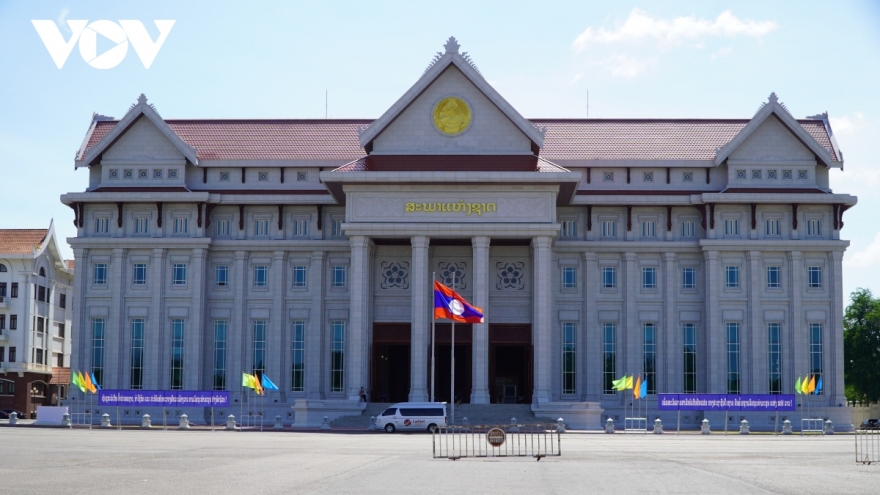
x: 42, y: 460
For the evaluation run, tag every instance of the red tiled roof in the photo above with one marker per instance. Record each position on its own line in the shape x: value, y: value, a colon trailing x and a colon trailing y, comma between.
x: 60, y: 376
x: 21, y: 241
x: 450, y: 163
x: 602, y: 139
x: 71, y: 264
x: 566, y: 139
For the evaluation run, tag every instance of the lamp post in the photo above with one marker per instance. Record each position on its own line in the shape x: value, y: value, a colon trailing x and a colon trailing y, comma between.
x: 34, y: 392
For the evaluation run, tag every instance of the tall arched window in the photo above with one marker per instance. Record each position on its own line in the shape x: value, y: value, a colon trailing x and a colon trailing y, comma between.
x: 2, y: 268
x: 42, y: 272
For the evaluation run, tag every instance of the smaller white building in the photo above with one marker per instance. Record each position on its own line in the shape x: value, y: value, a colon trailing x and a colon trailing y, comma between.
x: 35, y: 294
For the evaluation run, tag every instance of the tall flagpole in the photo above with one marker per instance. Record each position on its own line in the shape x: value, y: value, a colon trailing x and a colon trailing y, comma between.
x: 452, y: 354
x: 433, y: 343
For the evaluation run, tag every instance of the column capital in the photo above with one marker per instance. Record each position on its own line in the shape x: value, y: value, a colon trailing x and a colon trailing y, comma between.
x: 753, y: 255
x: 240, y: 255
x: 795, y: 255
x: 158, y: 252
x: 629, y: 256
x: 359, y: 241
x: 318, y: 255
x: 480, y: 241
x: 420, y: 241
x: 667, y: 256
x: 589, y: 256
x: 279, y: 255
x: 542, y: 241
x: 837, y: 255
x: 710, y: 255
x: 119, y: 252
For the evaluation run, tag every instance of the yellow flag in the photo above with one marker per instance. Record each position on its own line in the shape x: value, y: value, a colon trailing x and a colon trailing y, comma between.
x: 805, y: 386
x: 629, y: 382
x: 246, y: 380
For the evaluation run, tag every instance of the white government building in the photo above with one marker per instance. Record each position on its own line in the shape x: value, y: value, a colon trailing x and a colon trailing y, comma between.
x: 704, y: 254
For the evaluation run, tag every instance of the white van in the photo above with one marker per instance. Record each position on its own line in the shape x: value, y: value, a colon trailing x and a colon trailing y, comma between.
x: 412, y: 416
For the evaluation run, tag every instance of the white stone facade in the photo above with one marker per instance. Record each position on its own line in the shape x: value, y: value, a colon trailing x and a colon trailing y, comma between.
x: 297, y: 261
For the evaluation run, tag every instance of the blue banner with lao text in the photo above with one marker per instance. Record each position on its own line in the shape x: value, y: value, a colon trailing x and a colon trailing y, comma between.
x: 726, y: 402
x: 164, y: 398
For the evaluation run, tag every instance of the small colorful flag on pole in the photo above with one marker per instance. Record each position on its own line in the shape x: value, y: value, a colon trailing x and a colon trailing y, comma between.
x: 76, y: 379
x: 257, y: 387
x: 88, y: 383
x: 619, y: 384
x: 797, y: 386
x: 450, y: 305
x: 643, y: 391
x: 818, y: 386
x: 267, y: 383
x: 805, y: 385
x: 637, y: 390
x: 247, y: 380
x: 94, y: 382
x: 812, y: 385
x: 629, y: 382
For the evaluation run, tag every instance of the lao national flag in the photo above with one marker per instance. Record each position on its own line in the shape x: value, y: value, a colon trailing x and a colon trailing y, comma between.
x: 449, y: 305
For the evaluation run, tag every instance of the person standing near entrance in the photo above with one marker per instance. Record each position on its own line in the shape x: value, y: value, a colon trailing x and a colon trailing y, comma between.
x: 362, y: 394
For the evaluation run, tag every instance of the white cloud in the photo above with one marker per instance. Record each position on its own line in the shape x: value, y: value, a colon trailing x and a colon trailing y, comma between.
x: 867, y: 258
x: 640, y: 25
x: 847, y: 124
x: 624, y: 66
x: 576, y: 78
x: 722, y: 53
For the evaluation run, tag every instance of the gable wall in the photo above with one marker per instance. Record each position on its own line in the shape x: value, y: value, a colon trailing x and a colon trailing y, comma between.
x: 490, y: 132
x: 143, y: 141
x: 772, y: 141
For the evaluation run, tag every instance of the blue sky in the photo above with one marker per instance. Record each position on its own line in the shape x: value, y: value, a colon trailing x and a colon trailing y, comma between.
x: 254, y: 59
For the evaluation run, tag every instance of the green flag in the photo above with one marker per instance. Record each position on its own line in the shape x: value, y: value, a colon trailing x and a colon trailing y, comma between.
x: 797, y: 386
x: 620, y: 385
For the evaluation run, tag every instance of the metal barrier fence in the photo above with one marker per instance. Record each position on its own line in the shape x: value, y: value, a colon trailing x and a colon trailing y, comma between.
x: 81, y: 419
x: 639, y: 425
x: 813, y: 425
x: 458, y: 441
x: 867, y: 446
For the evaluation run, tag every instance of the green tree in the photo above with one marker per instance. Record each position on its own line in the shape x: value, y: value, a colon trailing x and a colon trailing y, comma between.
x: 861, y: 347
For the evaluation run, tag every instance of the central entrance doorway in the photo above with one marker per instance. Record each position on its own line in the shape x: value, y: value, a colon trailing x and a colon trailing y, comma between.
x: 510, y: 364
x: 391, y: 362
x: 443, y: 355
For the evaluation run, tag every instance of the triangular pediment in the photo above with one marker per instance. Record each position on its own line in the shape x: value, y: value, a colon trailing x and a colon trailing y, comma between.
x: 410, y: 126
x: 774, y: 135
x: 126, y: 141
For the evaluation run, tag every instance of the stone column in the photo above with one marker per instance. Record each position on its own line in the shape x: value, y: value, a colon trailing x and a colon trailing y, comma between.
x: 278, y: 346
x: 314, y: 349
x: 78, y: 321
x: 542, y: 318
x: 480, y: 353
x: 155, y: 326
x: 713, y: 349
x: 359, y: 322
x: 796, y: 339
x: 193, y: 348
x: 420, y: 330
x: 834, y: 362
x: 237, y: 361
x: 590, y: 354
x: 630, y: 336
x: 673, y: 367
x: 754, y: 340
x: 115, y: 335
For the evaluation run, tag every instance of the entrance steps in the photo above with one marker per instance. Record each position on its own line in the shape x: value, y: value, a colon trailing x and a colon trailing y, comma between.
x: 477, y: 414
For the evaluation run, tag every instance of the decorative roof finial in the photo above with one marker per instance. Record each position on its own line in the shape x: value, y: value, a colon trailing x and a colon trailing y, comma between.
x: 451, y: 45
x: 142, y: 99
x: 773, y: 98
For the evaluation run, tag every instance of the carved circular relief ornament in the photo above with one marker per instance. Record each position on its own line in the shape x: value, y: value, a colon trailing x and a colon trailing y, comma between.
x: 452, y: 115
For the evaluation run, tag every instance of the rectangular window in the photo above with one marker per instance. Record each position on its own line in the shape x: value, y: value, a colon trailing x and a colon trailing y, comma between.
x: 13, y: 322
x: 688, y: 278
x: 733, y: 358
x: 178, y: 276
x: 814, y: 228
x: 569, y: 228
x: 139, y: 275
x: 41, y: 326
x: 731, y: 226
x: 569, y: 277
x: 259, y: 327
x: 608, y: 358
x: 177, y: 333
x: 771, y: 227
x: 569, y: 350
x: 609, y: 277
x: 61, y: 330
x: 221, y: 275
x: 261, y: 227
x: 774, y: 277
x: 609, y: 228
x: 181, y: 225
x: 2, y: 358
x: 41, y: 293
x: 141, y: 225
x: 62, y: 301
x: 649, y: 352
x: 220, y: 327
x: 816, y: 364
x: 2, y: 323
x: 687, y: 229
x: 2, y: 289
x: 337, y: 356
x: 815, y: 277
x: 300, y: 228
x: 102, y: 225
x: 12, y: 357
x: 337, y: 228
x: 731, y: 277
x: 137, y: 354
x: 261, y: 276
x: 774, y: 333
x: 299, y: 276
x: 339, y: 276
x: 100, y: 274
x: 98, y: 325
x: 648, y: 229
x: 689, y: 336
x: 13, y: 290
x: 298, y: 355
x: 222, y: 228
x: 39, y: 356
x: 649, y: 277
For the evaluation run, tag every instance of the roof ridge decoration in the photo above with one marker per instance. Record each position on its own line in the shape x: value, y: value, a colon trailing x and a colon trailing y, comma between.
x: 825, y: 120
x: 773, y: 107
x: 137, y: 110
x: 464, y: 63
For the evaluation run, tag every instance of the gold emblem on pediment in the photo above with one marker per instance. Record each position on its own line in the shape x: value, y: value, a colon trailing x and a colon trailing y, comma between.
x: 452, y: 115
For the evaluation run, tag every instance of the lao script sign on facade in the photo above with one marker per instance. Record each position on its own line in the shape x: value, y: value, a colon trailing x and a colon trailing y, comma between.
x: 726, y: 402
